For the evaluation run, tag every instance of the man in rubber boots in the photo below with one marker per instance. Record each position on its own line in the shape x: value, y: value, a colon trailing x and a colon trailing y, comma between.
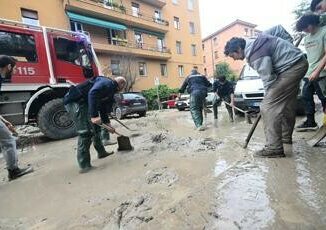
x: 88, y: 104
x: 281, y: 66
x: 197, y: 86
x: 7, y: 141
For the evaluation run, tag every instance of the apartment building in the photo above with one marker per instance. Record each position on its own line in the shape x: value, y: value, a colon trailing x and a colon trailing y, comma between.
x: 144, y: 39
x: 213, y: 45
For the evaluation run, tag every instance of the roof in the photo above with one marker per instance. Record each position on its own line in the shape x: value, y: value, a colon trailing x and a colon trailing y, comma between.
x: 238, y: 21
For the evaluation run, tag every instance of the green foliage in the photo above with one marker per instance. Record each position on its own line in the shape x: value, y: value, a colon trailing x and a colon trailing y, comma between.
x: 302, y: 8
x: 223, y: 68
x: 151, y: 95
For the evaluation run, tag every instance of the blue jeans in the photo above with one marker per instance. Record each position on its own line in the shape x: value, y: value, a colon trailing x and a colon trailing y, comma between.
x: 308, y: 90
x: 8, y: 147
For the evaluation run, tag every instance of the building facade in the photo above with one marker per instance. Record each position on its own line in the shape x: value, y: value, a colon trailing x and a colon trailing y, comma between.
x: 141, y: 39
x: 213, y: 45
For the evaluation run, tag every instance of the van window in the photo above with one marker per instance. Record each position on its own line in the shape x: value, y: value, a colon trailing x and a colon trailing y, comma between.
x: 71, y: 51
x: 20, y: 46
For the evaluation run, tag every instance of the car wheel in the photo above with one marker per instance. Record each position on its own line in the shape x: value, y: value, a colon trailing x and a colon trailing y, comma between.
x: 118, y: 113
x: 142, y: 114
x: 181, y: 109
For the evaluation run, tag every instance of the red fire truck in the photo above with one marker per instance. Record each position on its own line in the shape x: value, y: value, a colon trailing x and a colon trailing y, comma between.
x: 48, y: 61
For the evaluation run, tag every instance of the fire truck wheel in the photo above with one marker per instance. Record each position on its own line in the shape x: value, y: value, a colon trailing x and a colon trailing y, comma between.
x: 54, y: 121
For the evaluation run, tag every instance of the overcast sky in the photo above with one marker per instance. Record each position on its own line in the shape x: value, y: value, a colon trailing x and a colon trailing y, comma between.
x: 214, y: 14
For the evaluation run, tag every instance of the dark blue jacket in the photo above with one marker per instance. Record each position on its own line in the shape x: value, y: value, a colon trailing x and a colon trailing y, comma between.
x: 223, y: 90
x: 97, y: 92
x: 195, y: 83
x: 101, y: 96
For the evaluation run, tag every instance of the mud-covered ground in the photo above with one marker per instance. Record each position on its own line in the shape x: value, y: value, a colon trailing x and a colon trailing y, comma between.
x: 175, y: 178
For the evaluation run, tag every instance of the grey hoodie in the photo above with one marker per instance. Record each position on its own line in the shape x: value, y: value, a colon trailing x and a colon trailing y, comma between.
x: 270, y: 56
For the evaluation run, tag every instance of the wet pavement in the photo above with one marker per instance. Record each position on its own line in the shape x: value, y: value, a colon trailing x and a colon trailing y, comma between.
x: 176, y: 178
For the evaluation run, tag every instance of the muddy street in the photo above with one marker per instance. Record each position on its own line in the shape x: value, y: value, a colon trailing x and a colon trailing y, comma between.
x: 175, y: 178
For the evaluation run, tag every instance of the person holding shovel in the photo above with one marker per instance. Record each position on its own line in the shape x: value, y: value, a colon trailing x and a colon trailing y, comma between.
x: 315, y: 46
x: 88, y: 103
x: 7, y: 141
x: 281, y: 66
x: 197, y: 86
x: 224, y: 91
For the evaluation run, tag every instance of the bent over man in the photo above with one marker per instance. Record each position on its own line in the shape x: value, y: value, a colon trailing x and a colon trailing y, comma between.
x: 281, y: 66
x: 88, y: 104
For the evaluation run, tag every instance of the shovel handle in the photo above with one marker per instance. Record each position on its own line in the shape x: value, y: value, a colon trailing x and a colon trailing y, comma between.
x: 252, y: 130
x: 106, y: 127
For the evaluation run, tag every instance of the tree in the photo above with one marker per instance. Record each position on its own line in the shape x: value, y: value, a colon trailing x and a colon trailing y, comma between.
x: 126, y: 66
x: 302, y: 8
x: 224, y: 69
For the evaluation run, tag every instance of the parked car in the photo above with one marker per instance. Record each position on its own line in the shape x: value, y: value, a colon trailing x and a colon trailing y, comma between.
x: 209, y: 99
x: 249, y: 92
x: 129, y: 103
x: 170, y: 102
x: 183, y: 102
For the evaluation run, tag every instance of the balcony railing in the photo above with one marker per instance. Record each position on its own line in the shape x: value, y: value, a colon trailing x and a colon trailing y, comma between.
x: 123, y: 10
x: 136, y: 45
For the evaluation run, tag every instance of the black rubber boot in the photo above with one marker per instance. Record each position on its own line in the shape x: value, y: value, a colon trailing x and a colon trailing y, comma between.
x: 17, y: 172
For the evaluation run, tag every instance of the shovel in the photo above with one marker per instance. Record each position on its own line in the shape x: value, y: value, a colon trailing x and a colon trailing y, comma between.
x: 123, y: 141
x: 321, y: 133
x: 240, y: 110
x: 123, y: 124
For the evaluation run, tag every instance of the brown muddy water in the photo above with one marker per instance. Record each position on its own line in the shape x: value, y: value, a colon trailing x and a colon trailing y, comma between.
x: 175, y: 178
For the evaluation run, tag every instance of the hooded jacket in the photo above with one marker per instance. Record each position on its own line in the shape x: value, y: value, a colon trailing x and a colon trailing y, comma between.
x: 270, y: 56
x: 195, y: 82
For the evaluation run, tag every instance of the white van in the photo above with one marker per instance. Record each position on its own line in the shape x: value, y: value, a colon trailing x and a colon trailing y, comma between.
x: 249, y: 91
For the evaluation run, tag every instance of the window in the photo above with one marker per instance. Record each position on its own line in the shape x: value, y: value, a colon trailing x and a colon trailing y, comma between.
x: 160, y: 44
x: 71, y: 51
x: 117, y: 37
x: 20, y: 46
x: 180, y: 70
x: 178, y: 45
x: 193, y: 50
x: 191, y: 4
x: 215, y: 54
x: 108, y: 4
x: 135, y: 9
x: 115, y: 67
x: 142, y: 69
x: 76, y: 26
x: 164, y: 70
x: 192, y: 27
x: 176, y: 23
x: 215, y: 41
x: 30, y: 17
x: 157, y: 16
x: 246, y: 31
x: 175, y: 1
x: 204, y: 59
x: 203, y: 46
x: 139, y: 40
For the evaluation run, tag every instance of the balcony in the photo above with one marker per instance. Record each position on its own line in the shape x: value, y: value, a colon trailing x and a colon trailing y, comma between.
x: 123, y: 47
x: 156, y: 3
x: 117, y: 13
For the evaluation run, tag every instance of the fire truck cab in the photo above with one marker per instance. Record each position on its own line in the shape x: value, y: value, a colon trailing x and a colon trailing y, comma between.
x: 48, y: 61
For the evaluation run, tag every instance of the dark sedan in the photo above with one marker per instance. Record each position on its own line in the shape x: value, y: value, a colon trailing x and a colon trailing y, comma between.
x: 128, y: 104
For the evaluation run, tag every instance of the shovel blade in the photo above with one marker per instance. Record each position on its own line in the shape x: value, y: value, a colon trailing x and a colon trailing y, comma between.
x: 314, y: 140
x: 124, y: 143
